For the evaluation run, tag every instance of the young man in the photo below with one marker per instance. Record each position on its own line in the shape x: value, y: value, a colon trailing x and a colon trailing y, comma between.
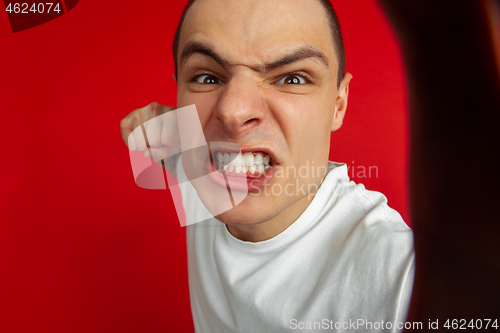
x: 310, y: 251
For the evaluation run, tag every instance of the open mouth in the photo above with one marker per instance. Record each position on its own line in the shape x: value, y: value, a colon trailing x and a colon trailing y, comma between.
x: 249, y: 164
x: 246, y: 171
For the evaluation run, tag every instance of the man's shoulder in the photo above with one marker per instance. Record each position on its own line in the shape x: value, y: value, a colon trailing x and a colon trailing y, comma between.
x: 365, y: 215
x: 357, y: 200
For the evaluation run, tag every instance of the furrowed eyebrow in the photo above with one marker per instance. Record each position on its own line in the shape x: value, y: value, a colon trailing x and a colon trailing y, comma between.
x: 302, y: 53
x: 193, y: 47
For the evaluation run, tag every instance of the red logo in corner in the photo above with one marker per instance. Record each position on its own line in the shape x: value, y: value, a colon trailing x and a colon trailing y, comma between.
x: 28, y: 14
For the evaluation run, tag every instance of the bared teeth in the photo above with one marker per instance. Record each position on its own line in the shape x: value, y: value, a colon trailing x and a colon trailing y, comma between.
x: 254, y: 162
x: 259, y: 159
x: 248, y: 159
x: 262, y: 169
x: 235, y: 159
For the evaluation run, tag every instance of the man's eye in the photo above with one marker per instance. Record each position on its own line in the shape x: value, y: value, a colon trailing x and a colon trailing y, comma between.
x: 292, y: 79
x: 207, y: 79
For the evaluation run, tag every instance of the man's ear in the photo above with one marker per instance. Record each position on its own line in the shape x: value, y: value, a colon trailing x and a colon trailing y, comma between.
x: 341, y: 102
x: 173, y: 77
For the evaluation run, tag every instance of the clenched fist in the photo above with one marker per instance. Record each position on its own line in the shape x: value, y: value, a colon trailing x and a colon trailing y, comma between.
x: 158, y: 137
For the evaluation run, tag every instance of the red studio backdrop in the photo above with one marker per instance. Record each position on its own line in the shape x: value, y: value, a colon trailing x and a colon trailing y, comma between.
x: 82, y: 248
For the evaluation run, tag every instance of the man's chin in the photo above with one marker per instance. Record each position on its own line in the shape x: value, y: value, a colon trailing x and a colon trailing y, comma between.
x: 247, y: 214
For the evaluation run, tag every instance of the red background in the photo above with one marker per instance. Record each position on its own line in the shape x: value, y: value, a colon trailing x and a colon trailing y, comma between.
x: 82, y: 248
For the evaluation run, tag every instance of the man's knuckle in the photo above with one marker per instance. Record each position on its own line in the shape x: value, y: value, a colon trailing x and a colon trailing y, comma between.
x: 137, y: 119
x: 154, y: 108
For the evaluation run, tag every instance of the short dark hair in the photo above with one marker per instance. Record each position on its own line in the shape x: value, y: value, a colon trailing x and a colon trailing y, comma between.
x: 335, y: 30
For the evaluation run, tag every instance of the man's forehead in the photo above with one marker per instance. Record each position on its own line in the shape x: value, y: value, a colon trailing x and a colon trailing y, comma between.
x: 258, y: 29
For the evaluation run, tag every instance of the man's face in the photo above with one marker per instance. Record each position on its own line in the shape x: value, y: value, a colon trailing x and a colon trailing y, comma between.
x: 262, y: 75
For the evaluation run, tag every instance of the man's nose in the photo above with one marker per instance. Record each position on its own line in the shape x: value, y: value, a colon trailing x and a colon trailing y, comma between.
x: 241, y: 107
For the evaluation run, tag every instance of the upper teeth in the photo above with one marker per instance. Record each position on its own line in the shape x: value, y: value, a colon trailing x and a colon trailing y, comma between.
x: 246, y: 162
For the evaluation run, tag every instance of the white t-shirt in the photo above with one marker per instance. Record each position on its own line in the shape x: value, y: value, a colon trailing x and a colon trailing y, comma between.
x: 345, y: 265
